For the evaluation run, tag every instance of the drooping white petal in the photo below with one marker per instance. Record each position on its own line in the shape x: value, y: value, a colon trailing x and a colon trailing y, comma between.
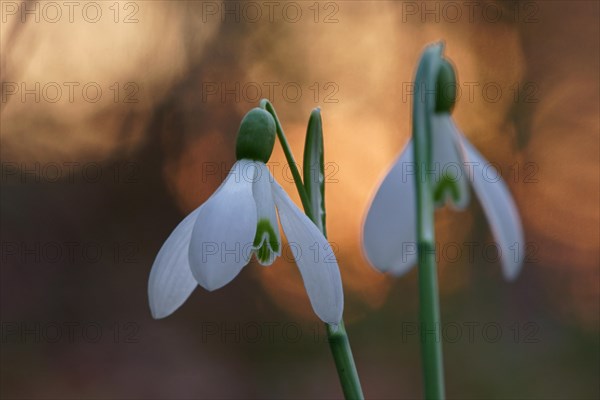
x: 171, y: 281
x: 500, y: 209
x: 389, y: 232
x: 450, y: 181
x: 267, y: 242
x: 222, y: 236
x: 314, y: 257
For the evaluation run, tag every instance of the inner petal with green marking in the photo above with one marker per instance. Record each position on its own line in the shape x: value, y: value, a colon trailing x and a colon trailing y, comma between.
x: 451, y: 185
x: 266, y: 242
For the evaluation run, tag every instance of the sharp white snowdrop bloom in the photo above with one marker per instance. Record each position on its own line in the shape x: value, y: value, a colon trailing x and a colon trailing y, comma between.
x: 216, y: 240
x: 389, y: 233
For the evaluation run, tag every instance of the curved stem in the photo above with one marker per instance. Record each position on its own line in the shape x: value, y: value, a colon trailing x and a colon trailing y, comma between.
x: 266, y: 104
x: 429, y: 308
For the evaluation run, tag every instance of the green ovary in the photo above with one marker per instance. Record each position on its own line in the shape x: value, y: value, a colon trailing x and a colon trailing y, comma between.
x: 256, y: 136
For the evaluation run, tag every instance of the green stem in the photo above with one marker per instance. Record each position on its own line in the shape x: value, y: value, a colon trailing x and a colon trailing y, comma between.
x: 344, y: 361
x: 336, y: 335
x: 429, y: 308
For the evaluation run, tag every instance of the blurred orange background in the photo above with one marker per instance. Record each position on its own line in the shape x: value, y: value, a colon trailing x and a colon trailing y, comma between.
x: 149, y: 95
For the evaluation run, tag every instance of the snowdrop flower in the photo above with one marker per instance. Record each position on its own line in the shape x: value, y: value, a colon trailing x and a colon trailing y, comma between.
x: 213, y: 243
x: 389, y: 234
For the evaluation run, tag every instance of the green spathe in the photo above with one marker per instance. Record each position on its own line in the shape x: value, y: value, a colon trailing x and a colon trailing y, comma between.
x: 256, y: 136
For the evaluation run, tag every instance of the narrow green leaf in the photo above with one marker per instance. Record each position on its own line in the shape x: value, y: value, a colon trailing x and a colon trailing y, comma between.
x: 314, y: 175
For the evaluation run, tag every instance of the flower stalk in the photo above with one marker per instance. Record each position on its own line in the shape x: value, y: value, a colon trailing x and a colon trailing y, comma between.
x: 311, y: 192
x: 344, y: 361
x: 424, y: 106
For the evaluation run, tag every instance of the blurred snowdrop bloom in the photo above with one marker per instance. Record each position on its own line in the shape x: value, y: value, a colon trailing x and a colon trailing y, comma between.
x: 214, y: 242
x: 389, y: 235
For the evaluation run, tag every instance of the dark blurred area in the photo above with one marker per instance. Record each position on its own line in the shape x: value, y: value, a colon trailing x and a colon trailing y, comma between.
x: 118, y: 118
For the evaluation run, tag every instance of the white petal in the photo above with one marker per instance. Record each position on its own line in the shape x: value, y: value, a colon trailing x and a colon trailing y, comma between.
x: 221, y: 242
x: 500, y: 209
x: 171, y: 280
x: 389, y: 232
x: 314, y: 257
x: 447, y: 162
x: 267, y: 242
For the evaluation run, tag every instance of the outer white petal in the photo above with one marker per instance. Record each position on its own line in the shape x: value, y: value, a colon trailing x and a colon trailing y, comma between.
x: 269, y: 242
x: 447, y: 160
x: 314, y: 257
x: 171, y: 280
x: 500, y: 209
x: 389, y: 232
x: 221, y: 242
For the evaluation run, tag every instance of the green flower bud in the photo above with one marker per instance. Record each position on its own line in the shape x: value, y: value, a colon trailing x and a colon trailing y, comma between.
x: 256, y: 136
x: 446, y: 88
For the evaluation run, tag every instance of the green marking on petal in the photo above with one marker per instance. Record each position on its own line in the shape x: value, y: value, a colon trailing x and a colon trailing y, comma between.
x: 446, y: 183
x: 265, y: 241
x: 264, y: 254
